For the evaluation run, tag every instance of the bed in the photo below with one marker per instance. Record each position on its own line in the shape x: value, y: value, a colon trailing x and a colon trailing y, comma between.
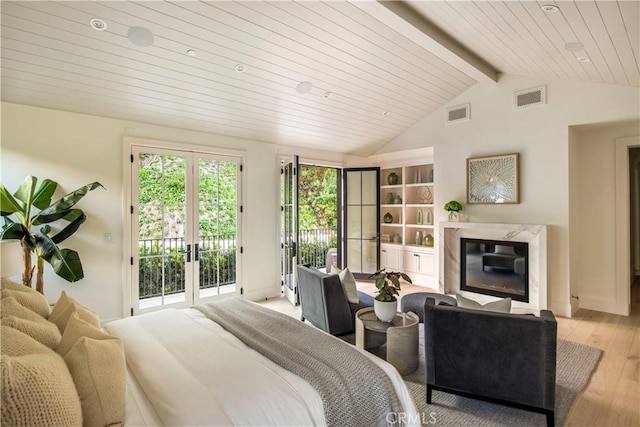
x: 185, y: 369
x: 231, y: 363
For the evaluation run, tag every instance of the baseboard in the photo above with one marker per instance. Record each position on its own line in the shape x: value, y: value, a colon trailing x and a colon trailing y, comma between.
x: 562, y: 309
x: 599, y: 304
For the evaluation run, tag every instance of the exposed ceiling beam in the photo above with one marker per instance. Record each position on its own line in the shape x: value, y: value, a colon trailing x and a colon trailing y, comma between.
x: 411, y: 24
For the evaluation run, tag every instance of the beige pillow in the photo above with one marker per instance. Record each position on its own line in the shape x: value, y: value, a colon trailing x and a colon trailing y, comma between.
x: 44, y: 333
x: 37, y: 390
x: 65, y: 307
x: 31, y: 299
x: 99, y: 373
x: 11, y: 285
x: 83, y: 313
x: 76, y: 329
x: 348, y: 282
x: 11, y: 307
x: 499, y: 306
x: 15, y: 343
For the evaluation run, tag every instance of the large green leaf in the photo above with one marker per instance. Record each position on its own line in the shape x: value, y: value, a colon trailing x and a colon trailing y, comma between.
x: 69, y: 200
x: 42, y: 197
x: 24, y: 193
x: 12, y: 231
x: 65, y: 262
x: 46, y: 219
x: 75, y: 218
x: 8, y: 204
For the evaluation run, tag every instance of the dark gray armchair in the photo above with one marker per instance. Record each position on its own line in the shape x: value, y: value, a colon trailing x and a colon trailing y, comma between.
x: 499, y: 357
x: 324, y: 302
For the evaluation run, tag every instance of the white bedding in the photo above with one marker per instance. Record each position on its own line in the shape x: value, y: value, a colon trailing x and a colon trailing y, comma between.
x: 185, y: 369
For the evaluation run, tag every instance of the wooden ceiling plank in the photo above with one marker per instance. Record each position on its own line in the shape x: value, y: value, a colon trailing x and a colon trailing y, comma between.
x: 593, y: 20
x: 417, y: 29
x: 630, y: 12
x: 622, y: 38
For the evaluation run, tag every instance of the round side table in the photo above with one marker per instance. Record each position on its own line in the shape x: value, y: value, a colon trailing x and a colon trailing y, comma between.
x: 400, y: 336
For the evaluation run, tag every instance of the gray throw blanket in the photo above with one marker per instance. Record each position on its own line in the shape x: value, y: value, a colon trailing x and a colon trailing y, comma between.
x: 354, y: 390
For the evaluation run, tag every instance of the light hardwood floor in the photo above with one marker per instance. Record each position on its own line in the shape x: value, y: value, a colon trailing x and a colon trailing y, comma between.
x: 612, y: 397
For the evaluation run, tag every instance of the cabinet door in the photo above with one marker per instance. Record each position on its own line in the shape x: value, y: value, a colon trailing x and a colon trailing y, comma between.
x: 417, y: 262
x: 390, y: 259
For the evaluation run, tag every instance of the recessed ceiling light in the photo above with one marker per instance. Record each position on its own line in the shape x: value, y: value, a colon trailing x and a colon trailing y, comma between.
x: 240, y: 68
x: 141, y: 36
x: 550, y: 8
x: 574, y: 46
x: 192, y: 53
x: 304, y: 87
x: 98, y: 24
x: 327, y: 95
x: 583, y: 59
x: 385, y: 113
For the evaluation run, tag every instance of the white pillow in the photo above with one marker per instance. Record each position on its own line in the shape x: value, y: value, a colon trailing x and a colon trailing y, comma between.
x: 500, y: 306
x: 348, y: 284
x: 504, y: 249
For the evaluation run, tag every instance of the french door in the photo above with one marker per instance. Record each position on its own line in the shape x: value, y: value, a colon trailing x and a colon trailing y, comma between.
x: 184, y: 227
x: 361, y: 220
x: 290, y: 249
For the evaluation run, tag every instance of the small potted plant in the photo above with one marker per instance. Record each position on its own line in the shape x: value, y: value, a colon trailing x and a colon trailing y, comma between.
x: 453, y: 207
x: 385, y: 304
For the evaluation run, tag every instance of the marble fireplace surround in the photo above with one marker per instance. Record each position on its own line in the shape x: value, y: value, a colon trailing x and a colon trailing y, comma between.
x: 449, y: 258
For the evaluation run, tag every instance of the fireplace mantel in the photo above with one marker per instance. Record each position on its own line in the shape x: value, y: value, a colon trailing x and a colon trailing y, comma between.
x: 535, y: 235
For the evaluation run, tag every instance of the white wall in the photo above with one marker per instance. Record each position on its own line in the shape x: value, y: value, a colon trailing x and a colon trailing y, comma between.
x: 75, y: 149
x: 594, y: 263
x: 540, y: 135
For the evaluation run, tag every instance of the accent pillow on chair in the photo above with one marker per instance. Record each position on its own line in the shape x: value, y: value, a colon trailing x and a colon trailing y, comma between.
x: 348, y: 284
x: 500, y: 306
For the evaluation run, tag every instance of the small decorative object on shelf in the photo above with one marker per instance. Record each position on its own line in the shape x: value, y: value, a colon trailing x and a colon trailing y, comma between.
x: 388, y: 218
x: 431, y: 175
x: 419, y: 217
x: 428, y: 240
x: 397, y: 238
x: 453, y: 207
x: 418, y: 175
x: 392, y: 179
x: 418, y: 237
x: 429, y: 216
x: 398, y: 200
x: 425, y: 195
x: 390, y: 198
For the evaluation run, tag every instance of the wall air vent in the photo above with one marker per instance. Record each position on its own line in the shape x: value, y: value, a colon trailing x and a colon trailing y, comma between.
x: 529, y: 98
x: 461, y: 113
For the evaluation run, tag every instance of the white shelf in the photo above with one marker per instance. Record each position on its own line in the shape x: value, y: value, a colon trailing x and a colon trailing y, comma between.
x: 418, y: 225
x: 390, y: 224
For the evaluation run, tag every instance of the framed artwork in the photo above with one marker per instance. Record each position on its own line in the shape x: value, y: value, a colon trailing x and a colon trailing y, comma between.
x: 493, y: 179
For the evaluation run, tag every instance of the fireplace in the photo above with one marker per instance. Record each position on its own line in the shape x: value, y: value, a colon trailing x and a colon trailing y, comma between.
x: 495, y: 267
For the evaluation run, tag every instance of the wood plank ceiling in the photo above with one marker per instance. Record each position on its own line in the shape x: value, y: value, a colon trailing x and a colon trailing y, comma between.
x: 375, y: 69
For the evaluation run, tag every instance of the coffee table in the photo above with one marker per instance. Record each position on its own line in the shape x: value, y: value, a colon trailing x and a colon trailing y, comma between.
x: 400, y: 336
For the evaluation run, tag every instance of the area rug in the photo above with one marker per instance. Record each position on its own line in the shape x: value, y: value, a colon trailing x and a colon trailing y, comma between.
x: 574, y: 365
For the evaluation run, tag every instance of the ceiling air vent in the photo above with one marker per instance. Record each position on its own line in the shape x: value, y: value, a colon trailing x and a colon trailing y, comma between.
x: 529, y: 98
x: 461, y: 113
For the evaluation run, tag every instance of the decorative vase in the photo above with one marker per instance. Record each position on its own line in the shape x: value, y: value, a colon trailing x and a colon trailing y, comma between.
x: 419, y: 217
x: 428, y: 240
x: 454, y: 216
x: 388, y: 218
x: 429, y: 220
x: 390, y: 198
x: 431, y: 175
x: 418, y: 237
x: 385, y: 310
x: 418, y: 175
x: 392, y: 179
x: 397, y: 238
x: 398, y: 200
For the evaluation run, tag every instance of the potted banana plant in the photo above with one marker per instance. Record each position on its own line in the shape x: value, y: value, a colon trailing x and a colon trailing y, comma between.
x: 28, y: 215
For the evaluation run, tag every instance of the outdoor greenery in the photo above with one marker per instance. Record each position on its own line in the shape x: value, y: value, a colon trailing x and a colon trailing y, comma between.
x: 318, y: 187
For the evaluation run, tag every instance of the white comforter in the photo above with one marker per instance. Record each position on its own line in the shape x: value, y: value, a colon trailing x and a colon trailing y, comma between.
x: 185, y: 369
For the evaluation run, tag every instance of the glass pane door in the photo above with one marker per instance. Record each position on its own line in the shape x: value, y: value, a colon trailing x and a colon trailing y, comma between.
x: 289, y: 194
x: 361, y: 220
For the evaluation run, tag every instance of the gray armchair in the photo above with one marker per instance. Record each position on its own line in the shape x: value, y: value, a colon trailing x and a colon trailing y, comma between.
x: 499, y: 357
x: 324, y: 303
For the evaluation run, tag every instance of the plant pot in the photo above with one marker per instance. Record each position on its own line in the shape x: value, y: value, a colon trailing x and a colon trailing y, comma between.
x: 454, y: 216
x: 385, y: 311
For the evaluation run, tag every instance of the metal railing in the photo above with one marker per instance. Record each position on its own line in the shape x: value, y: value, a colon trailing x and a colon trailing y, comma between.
x: 314, y: 244
x: 162, y: 264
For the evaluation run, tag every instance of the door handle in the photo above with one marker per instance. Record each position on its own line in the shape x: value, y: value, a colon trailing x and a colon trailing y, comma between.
x: 197, y: 251
x: 188, y: 252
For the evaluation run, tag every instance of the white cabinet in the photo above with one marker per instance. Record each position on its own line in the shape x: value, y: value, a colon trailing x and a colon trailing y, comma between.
x: 390, y: 258
x: 418, y: 262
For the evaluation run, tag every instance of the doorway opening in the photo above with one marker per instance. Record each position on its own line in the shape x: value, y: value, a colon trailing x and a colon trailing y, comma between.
x: 634, y: 225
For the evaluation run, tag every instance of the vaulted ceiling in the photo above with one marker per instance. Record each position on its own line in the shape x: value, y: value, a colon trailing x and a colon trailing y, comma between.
x: 370, y: 69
